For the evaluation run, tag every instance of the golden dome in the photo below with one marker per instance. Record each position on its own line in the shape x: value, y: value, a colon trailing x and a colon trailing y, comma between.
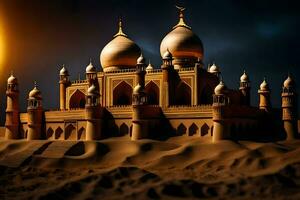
x: 264, y: 86
x: 120, y: 53
x: 12, y: 80
x: 64, y: 71
x: 35, y: 93
x: 289, y: 82
x: 244, y: 77
x: 214, y: 68
x: 184, y: 45
x: 220, y: 88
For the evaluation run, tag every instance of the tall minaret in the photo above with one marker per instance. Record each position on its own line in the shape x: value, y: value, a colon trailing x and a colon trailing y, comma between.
x: 91, y: 74
x: 289, y: 108
x: 35, y: 114
x: 264, y: 96
x: 220, y: 101
x: 93, y: 114
x: 63, y: 84
x: 12, y: 109
x: 245, y: 89
x: 167, y: 68
x: 139, y: 101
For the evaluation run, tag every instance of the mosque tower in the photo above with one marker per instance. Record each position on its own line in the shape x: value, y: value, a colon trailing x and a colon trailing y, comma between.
x: 289, y: 108
x: 12, y: 109
x: 264, y: 96
x: 93, y: 114
x: 245, y: 89
x: 167, y: 69
x: 34, y: 114
x: 220, y: 101
x: 63, y: 84
x: 139, y: 101
x: 91, y: 74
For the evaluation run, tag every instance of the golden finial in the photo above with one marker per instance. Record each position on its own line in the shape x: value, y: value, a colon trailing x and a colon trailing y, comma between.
x: 35, y: 84
x: 120, y: 32
x: 181, y: 18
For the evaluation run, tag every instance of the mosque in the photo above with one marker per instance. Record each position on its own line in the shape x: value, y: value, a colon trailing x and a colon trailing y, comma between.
x: 129, y: 97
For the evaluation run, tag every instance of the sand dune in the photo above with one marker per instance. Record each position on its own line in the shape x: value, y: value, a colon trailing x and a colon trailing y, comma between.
x: 181, y: 167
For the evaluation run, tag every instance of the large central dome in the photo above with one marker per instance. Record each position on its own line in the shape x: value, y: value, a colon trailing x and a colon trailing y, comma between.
x: 184, y: 45
x: 120, y: 53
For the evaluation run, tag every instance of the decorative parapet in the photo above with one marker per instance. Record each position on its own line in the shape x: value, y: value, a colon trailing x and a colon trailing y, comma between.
x: 78, y: 82
x: 121, y: 71
x: 185, y: 69
x: 153, y: 71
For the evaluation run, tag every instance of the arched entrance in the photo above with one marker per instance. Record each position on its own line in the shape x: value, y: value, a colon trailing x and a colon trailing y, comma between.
x: 152, y: 91
x: 183, y: 94
x: 122, y: 94
x: 77, y: 100
x: 124, y: 130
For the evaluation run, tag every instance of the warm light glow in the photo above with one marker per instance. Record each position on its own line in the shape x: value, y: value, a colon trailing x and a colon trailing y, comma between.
x: 1, y: 45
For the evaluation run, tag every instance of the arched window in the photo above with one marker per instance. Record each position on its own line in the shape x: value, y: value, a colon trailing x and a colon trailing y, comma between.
x: 124, y: 130
x: 70, y: 132
x: 206, y: 95
x: 49, y: 133
x: 181, y: 129
x: 81, y: 134
x: 183, y: 94
x: 204, y: 129
x: 77, y: 100
x: 58, y: 133
x: 193, y: 129
x: 152, y: 91
x: 122, y: 94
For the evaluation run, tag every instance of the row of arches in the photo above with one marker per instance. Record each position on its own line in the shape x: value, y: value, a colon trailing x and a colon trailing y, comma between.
x: 193, y: 129
x: 70, y: 133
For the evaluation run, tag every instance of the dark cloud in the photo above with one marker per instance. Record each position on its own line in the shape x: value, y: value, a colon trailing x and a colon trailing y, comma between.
x: 259, y: 36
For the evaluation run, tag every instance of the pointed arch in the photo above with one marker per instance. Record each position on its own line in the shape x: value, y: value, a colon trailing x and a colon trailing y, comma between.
x: 77, y: 100
x: 49, y: 133
x: 181, y: 129
x: 122, y: 94
x: 183, y: 94
x: 193, y: 129
x: 70, y: 132
x: 81, y: 134
x: 124, y: 130
x: 152, y: 91
x: 206, y: 95
x: 58, y: 133
x: 204, y: 129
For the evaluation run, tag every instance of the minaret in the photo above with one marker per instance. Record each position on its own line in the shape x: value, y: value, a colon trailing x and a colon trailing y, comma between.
x: 63, y: 84
x: 245, y: 89
x: 34, y: 114
x: 214, y: 69
x: 93, y: 114
x: 220, y: 101
x: 289, y: 108
x: 264, y: 96
x: 167, y: 68
x: 12, y: 109
x: 139, y: 101
x: 91, y: 74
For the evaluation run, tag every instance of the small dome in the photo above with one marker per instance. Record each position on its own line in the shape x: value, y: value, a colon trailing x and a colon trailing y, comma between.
x: 141, y: 60
x: 90, y: 68
x: 264, y: 86
x: 35, y: 93
x: 244, y: 77
x: 63, y: 71
x: 167, y: 55
x: 289, y: 82
x: 92, y: 90
x: 149, y: 67
x: 220, y: 88
x: 12, y: 80
x: 214, y: 68
x: 138, y: 89
x: 120, y: 53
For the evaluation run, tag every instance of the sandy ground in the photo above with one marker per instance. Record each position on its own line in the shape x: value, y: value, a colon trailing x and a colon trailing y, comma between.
x: 179, y: 168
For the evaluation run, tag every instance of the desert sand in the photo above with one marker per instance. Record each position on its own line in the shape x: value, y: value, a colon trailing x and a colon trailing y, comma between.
x: 178, y: 168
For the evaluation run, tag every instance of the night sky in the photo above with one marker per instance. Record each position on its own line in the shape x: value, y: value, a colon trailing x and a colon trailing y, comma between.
x: 39, y: 36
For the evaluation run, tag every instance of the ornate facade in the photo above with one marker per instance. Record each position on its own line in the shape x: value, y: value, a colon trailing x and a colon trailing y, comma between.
x: 129, y: 97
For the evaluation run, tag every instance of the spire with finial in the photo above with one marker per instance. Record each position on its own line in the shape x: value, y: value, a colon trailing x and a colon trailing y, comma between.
x: 35, y: 84
x: 120, y: 32
x: 181, y: 18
